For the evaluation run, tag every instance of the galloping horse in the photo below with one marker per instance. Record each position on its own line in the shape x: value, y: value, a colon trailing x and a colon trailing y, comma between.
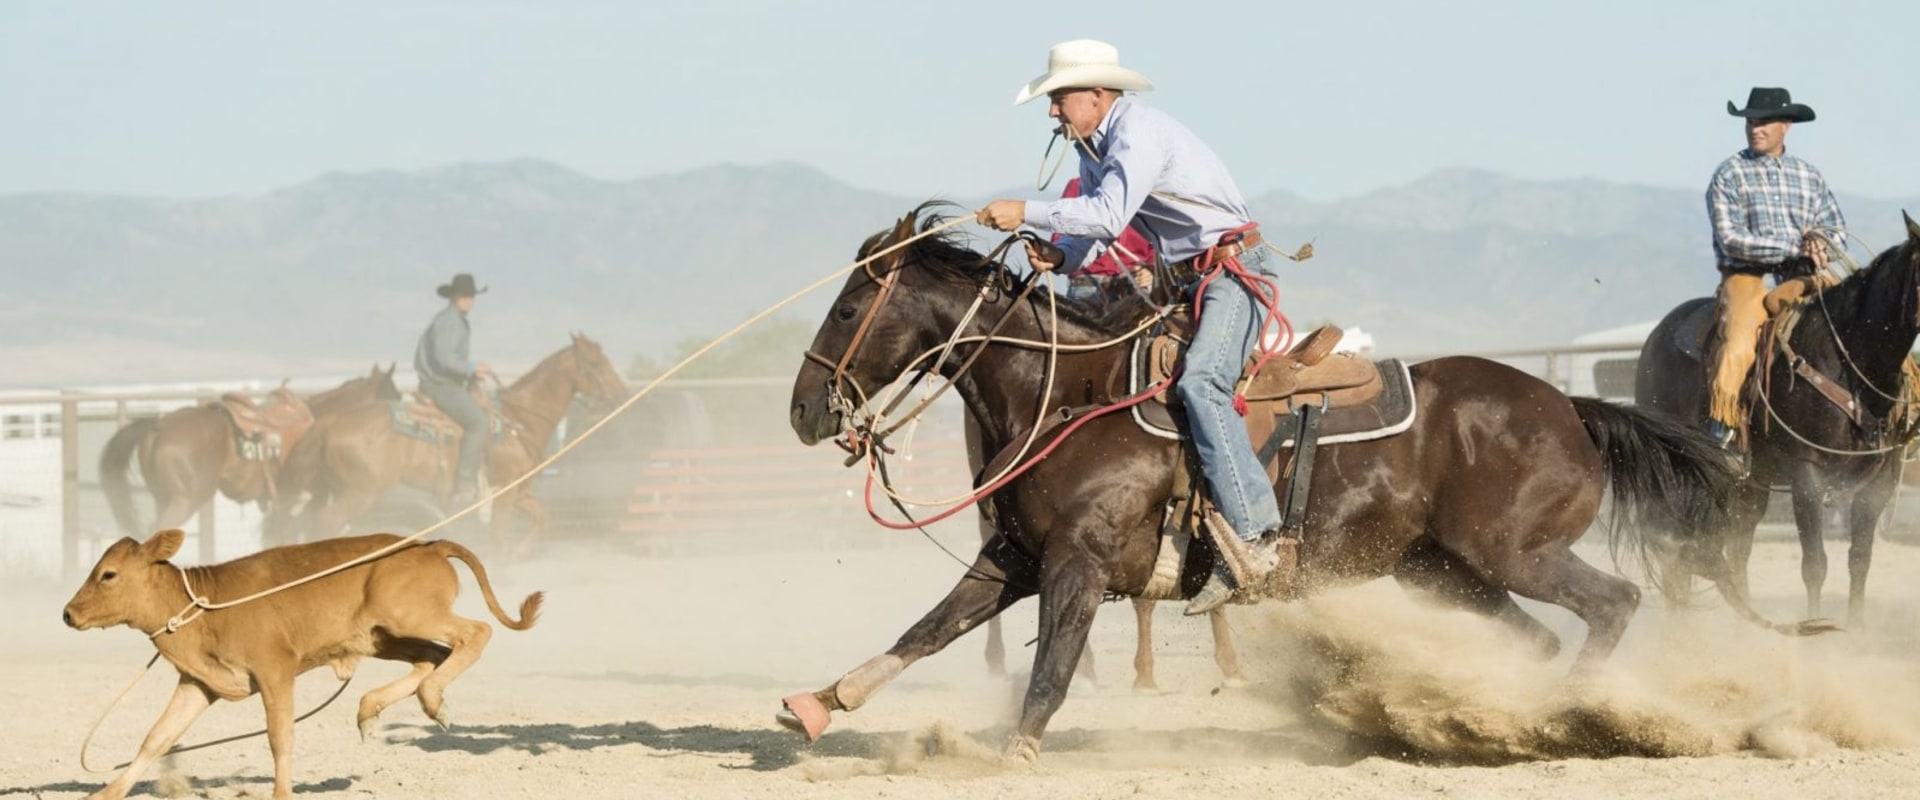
x: 1854, y: 338
x: 189, y: 453
x: 1481, y: 497
x: 339, y: 469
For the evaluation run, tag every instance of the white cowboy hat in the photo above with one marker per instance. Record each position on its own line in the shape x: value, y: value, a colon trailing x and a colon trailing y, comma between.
x: 1083, y: 64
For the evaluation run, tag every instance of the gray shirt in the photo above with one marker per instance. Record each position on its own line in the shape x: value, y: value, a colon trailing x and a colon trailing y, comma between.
x: 442, y: 354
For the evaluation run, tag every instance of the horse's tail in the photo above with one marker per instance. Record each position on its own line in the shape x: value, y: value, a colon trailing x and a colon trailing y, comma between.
x: 116, y: 459
x: 1671, y: 488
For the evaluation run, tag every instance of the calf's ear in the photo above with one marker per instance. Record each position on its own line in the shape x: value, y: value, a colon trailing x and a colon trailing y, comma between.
x: 163, y: 545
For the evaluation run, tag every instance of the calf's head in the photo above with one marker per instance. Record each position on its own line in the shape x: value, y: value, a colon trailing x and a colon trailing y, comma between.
x: 130, y: 583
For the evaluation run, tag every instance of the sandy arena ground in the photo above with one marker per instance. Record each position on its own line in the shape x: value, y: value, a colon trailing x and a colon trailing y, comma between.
x: 652, y: 677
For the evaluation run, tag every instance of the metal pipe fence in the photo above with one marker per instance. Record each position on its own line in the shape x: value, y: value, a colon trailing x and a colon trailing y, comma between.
x: 696, y: 465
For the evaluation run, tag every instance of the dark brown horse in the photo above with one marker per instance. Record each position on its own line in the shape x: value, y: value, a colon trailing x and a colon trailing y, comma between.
x: 188, y: 454
x: 1479, y: 500
x: 340, y: 468
x: 1859, y: 335
x: 978, y: 452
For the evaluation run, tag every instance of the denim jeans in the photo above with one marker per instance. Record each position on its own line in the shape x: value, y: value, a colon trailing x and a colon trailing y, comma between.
x: 459, y: 405
x: 1230, y: 319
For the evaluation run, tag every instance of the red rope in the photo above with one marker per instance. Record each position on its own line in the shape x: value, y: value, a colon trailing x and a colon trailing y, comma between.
x: 989, y: 489
x: 1266, y: 292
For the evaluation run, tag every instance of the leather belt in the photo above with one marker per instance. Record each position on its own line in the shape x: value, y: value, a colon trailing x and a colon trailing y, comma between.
x: 1185, y: 272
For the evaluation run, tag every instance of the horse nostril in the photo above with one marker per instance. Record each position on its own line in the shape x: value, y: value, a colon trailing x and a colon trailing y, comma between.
x: 67, y: 617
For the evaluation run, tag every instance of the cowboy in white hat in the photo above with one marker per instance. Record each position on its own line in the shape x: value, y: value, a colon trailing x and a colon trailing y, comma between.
x: 1141, y: 168
x: 1772, y: 214
x: 444, y: 364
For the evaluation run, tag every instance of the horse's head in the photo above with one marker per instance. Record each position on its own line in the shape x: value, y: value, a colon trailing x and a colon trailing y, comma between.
x: 594, y: 378
x: 895, y: 309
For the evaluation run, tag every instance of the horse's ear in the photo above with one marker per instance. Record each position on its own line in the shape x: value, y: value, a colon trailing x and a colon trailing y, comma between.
x: 902, y: 231
x: 1913, y: 228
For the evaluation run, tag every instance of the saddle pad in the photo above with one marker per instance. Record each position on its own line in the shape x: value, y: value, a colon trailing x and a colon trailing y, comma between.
x: 1690, y: 336
x: 425, y: 423
x: 1387, y: 414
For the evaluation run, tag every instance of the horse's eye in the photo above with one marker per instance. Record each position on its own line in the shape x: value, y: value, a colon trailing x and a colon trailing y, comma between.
x: 108, y: 576
x: 845, y: 312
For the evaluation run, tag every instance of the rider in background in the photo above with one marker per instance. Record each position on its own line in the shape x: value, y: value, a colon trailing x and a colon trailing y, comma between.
x: 1773, y: 215
x: 1142, y: 169
x: 445, y: 367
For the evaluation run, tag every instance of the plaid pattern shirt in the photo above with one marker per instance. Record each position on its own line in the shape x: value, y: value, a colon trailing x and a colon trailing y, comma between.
x: 1761, y: 206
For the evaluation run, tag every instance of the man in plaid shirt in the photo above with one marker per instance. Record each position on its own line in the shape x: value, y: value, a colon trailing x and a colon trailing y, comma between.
x: 1772, y: 215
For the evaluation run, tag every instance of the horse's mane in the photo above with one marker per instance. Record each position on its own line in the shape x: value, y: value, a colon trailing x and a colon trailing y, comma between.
x: 949, y: 256
x: 1852, y: 295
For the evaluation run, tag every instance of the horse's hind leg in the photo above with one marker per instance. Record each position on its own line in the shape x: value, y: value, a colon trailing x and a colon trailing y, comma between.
x: 1810, y: 519
x: 1143, y: 646
x: 1555, y: 575
x: 1223, y: 653
x: 1430, y: 569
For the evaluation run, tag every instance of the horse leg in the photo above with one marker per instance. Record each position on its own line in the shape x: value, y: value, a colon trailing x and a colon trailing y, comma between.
x: 1432, y: 571
x: 1810, y: 518
x: 1224, y: 655
x: 1555, y: 575
x: 1745, y: 508
x: 985, y: 590
x: 1068, y: 602
x: 1863, y: 521
x: 333, y: 517
x: 1143, y: 646
x: 537, y: 518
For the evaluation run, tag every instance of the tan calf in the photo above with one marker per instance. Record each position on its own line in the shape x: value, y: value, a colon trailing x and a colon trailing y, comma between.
x: 398, y: 608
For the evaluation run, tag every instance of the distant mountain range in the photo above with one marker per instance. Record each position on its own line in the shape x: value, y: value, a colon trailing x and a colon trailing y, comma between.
x: 331, y: 274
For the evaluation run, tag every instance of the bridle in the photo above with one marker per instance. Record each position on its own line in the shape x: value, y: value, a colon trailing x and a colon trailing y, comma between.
x: 860, y: 435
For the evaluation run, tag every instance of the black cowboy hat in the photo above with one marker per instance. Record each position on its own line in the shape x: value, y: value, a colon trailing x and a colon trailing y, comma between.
x: 1768, y: 103
x: 462, y: 286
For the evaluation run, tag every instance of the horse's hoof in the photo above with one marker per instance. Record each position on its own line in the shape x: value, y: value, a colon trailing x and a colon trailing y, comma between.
x: 369, y: 727
x: 1813, y: 627
x: 1233, y: 682
x: 804, y: 714
x: 1146, y: 687
x: 1021, y: 751
x: 440, y: 716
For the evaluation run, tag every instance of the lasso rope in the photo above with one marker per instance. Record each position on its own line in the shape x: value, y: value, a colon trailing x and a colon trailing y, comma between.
x: 198, y: 605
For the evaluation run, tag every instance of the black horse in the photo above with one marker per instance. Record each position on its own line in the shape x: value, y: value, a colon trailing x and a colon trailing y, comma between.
x: 1856, y: 335
x: 1479, y: 500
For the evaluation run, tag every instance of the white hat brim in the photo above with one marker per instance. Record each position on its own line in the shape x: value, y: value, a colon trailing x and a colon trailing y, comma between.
x: 1085, y: 76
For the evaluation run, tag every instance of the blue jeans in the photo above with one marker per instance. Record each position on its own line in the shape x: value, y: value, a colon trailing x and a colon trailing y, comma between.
x: 459, y: 405
x: 1230, y: 319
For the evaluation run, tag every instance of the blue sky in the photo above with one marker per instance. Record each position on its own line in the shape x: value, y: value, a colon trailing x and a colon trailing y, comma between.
x: 1322, y: 99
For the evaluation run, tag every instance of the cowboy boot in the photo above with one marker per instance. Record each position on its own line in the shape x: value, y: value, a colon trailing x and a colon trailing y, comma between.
x: 1262, y: 557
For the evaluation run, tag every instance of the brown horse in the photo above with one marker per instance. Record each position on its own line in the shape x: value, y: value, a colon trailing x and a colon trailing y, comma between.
x: 341, y: 468
x: 188, y: 454
x: 1480, y: 499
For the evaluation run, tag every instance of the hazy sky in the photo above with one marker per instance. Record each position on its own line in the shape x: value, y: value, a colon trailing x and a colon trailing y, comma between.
x: 1325, y: 99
